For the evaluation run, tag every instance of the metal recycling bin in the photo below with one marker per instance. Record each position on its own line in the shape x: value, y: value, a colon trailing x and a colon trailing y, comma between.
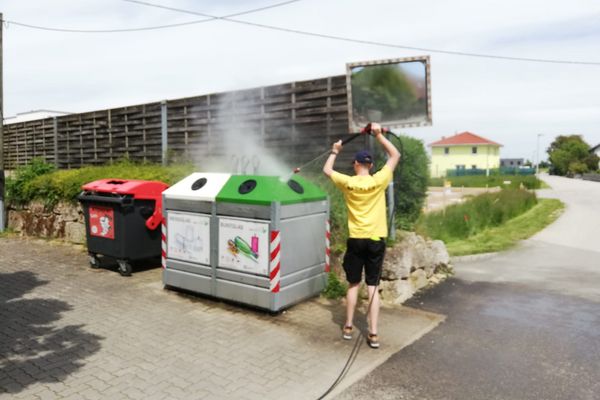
x: 122, y: 218
x: 188, y: 232
x: 249, y: 239
x: 273, y: 241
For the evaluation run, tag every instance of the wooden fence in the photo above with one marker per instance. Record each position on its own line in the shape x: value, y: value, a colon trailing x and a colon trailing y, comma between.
x: 296, y: 121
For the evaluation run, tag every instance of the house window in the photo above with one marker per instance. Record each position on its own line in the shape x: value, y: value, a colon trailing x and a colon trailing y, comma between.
x: 474, y: 150
x: 473, y: 166
x: 446, y: 150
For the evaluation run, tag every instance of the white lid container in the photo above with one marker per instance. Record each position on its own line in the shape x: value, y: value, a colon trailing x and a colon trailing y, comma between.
x: 199, y: 186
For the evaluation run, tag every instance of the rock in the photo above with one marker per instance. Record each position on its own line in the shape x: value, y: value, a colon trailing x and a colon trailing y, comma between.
x: 397, y: 291
x: 15, y: 220
x: 439, y: 255
x: 49, y: 226
x: 75, y: 232
x: 400, y: 260
x: 397, y: 264
x: 419, y: 279
x: 412, y: 265
x: 68, y: 211
x: 37, y: 207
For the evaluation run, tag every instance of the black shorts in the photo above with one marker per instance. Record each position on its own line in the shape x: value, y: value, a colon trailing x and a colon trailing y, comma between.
x: 365, y: 253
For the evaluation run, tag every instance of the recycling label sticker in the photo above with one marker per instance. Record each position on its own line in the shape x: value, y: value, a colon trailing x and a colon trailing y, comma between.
x: 102, y: 222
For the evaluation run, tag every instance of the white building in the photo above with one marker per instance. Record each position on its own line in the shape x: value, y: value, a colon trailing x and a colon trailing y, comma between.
x: 596, y: 150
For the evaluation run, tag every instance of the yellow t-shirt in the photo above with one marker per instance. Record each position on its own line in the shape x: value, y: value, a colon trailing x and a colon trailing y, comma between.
x: 365, y: 200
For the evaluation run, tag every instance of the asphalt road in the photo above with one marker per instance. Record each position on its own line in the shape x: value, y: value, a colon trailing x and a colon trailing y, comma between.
x: 523, y: 324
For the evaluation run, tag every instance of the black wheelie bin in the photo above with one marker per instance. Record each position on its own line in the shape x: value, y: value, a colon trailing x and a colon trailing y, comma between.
x: 122, y: 219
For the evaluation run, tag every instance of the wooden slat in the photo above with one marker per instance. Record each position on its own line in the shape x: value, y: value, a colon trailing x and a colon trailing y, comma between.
x: 292, y: 119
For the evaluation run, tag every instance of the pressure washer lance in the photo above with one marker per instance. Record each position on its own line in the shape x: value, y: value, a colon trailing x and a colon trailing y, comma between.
x: 364, y: 131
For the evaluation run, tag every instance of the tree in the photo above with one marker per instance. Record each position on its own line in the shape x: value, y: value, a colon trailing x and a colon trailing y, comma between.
x: 387, y: 90
x: 410, y: 179
x: 571, y: 155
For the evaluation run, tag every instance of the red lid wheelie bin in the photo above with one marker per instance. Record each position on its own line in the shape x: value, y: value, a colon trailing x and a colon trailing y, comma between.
x: 122, y: 219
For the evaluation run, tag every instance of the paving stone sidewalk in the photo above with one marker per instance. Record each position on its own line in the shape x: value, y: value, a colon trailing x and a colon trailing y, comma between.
x: 71, y: 332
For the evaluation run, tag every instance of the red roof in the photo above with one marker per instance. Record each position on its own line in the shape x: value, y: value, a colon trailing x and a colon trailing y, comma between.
x: 463, y: 139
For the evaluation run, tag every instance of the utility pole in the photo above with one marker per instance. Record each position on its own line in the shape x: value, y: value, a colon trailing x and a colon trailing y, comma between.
x: 2, y: 222
x: 537, y: 154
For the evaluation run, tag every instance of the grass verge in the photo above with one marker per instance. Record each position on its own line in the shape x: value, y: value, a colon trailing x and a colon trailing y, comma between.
x: 507, y: 235
x: 544, y: 185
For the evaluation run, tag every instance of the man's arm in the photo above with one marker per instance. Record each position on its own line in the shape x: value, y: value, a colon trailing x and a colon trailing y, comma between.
x: 390, y: 149
x: 328, y: 167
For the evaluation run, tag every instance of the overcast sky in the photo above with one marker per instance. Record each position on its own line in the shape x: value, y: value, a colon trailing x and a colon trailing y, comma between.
x: 510, y: 102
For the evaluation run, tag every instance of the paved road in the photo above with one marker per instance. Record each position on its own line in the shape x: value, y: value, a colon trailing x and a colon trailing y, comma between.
x: 523, y: 324
x: 71, y: 332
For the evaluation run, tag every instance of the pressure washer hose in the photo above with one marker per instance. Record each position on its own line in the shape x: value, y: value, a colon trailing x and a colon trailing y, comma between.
x: 347, y: 140
x: 354, y: 352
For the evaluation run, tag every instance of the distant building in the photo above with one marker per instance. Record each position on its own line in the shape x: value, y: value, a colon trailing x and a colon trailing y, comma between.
x: 33, y: 115
x: 464, y: 150
x: 512, y: 162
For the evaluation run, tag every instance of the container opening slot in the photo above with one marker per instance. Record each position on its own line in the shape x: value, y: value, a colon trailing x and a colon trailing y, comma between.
x: 199, y: 183
x: 295, y: 186
x: 247, y: 186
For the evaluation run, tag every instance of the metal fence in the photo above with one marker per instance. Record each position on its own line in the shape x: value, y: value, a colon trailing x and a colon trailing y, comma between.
x: 491, y: 171
x: 295, y: 120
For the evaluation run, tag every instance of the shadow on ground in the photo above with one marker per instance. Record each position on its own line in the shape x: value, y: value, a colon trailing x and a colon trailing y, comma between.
x: 32, y: 349
x: 111, y: 264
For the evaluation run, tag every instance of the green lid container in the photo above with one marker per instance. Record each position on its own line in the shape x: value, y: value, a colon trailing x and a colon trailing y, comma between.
x: 264, y: 190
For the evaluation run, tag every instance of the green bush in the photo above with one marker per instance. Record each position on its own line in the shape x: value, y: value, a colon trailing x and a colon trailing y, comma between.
x: 484, y: 211
x: 528, y: 181
x: 18, y: 186
x: 52, y: 186
x: 338, y: 215
x: 335, y: 288
x: 410, y: 179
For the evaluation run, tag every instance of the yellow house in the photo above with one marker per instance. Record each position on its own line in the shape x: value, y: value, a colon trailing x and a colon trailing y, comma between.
x: 463, y: 151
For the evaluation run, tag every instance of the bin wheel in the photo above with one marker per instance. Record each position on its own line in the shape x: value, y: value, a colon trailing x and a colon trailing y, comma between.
x: 94, y: 261
x: 124, y: 268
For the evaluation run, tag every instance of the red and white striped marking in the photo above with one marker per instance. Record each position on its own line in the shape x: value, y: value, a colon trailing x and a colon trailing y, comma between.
x: 327, y: 245
x: 163, y: 234
x: 275, y: 265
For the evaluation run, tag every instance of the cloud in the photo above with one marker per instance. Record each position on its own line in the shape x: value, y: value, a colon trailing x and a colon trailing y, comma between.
x: 506, y: 101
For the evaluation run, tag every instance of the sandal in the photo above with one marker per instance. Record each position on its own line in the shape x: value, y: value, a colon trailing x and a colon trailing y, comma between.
x: 347, y: 332
x: 373, y: 340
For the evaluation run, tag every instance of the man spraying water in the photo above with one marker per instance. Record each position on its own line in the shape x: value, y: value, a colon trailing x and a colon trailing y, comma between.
x: 364, y: 195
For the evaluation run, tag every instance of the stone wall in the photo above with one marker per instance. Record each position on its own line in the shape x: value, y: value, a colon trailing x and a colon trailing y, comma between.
x: 412, y: 264
x: 63, y: 221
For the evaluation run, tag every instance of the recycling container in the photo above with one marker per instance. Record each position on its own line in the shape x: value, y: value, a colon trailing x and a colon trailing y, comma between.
x: 189, y: 232
x: 255, y: 240
x: 122, y: 220
x: 272, y: 241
